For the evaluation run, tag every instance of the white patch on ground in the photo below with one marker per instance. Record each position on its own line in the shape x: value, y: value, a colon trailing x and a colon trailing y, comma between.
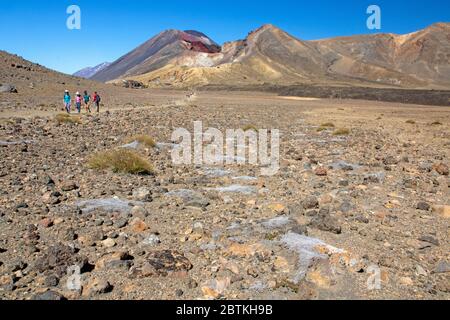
x: 108, y: 205
x: 306, y: 247
x: 132, y: 145
x: 236, y: 188
x: 13, y: 143
x: 245, y: 178
x: 216, y: 172
x: 276, y: 222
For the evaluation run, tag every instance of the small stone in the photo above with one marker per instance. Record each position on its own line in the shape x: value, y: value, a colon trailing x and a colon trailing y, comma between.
x: 152, y: 240
x: 51, y: 281
x: 121, y: 223
x: 179, y: 293
x: 442, y: 267
x: 442, y: 169
x: 139, y: 211
x: 117, y: 259
x: 96, y: 287
x: 142, y: 194
x: 420, y: 271
x: 108, y: 243
x: 69, y: 186
x: 443, y: 211
x: 390, y: 160
x: 138, y: 225
x: 48, y: 296
x: 310, y: 202
x: 46, y: 222
x: 278, y: 208
x: 429, y: 239
x: 423, y: 206
x: 321, y: 172
x: 215, y: 288
x: 406, y: 281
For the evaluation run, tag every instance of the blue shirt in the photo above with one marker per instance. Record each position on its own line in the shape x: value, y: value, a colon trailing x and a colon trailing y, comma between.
x: 67, y: 98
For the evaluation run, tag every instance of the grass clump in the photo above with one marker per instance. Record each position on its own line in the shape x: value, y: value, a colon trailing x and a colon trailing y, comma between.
x: 67, y: 118
x: 410, y: 122
x: 121, y: 161
x: 327, y: 125
x: 341, y: 132
x: 250, y: 127
x: 437, y: 123
x: 143, y: 139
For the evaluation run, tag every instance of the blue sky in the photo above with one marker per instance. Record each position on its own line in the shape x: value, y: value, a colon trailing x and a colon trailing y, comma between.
x: 37, y: 30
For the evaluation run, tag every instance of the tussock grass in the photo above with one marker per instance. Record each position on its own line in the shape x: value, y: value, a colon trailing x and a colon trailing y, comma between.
x: 327, y: 125
x: 143, y: 139
x: 121, y: 161
x: 67, y: 118
x: 410, y: 122
x: 341, y: 132
x: 250, y: 127
x: 437, y: 123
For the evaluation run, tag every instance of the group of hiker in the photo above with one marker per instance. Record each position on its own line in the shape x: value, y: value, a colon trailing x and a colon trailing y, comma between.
x: 79, y: 99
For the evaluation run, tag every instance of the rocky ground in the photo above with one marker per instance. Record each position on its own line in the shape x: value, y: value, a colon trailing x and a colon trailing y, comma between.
x: 343, y: 212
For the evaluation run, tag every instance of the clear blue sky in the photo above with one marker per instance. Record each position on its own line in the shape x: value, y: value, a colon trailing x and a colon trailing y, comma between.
x: 37, y: 30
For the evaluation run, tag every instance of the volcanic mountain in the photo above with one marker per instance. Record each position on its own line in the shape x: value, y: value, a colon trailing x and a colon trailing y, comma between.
x: 157, y: 53
x: 270, y: 55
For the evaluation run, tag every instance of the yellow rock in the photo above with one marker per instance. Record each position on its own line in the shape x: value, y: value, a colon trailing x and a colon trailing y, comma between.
x: 406, y: 281
x: 326, y: 199
x: 281, y: 264
x: 138, y: 225
x: 319, y: 279
x: 443, y: 211
x: 277, y: 208
x: 215, y: 288
x: 210, y: 293
x: 391, y: 204
x: 247, y: 250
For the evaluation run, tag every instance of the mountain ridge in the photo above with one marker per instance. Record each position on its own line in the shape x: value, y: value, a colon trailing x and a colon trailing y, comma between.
x: 268, y: 54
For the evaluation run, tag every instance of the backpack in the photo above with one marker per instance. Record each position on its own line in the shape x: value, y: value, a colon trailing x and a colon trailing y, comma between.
x: 98, y: 99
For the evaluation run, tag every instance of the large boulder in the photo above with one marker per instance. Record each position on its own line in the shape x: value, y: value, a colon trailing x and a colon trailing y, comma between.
x: 7, y: 88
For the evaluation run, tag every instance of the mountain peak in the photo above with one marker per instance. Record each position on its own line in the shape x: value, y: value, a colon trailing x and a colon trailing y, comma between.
x: 266, y: 27
x: 441, y: 25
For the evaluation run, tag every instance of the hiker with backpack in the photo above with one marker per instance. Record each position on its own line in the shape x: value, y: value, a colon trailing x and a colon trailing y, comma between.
x: 78, y: 102
x: 87, y: 101
x: 67, y: 101
x: 97, y: 100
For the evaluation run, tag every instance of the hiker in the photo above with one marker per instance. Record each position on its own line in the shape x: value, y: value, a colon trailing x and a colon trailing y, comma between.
x: 67, y: 101
x: 78, y: 102
x: 97, y: 100
x: 87, y: 101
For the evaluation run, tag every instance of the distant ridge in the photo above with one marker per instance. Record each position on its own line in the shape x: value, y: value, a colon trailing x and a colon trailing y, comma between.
x: 89, y: 72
